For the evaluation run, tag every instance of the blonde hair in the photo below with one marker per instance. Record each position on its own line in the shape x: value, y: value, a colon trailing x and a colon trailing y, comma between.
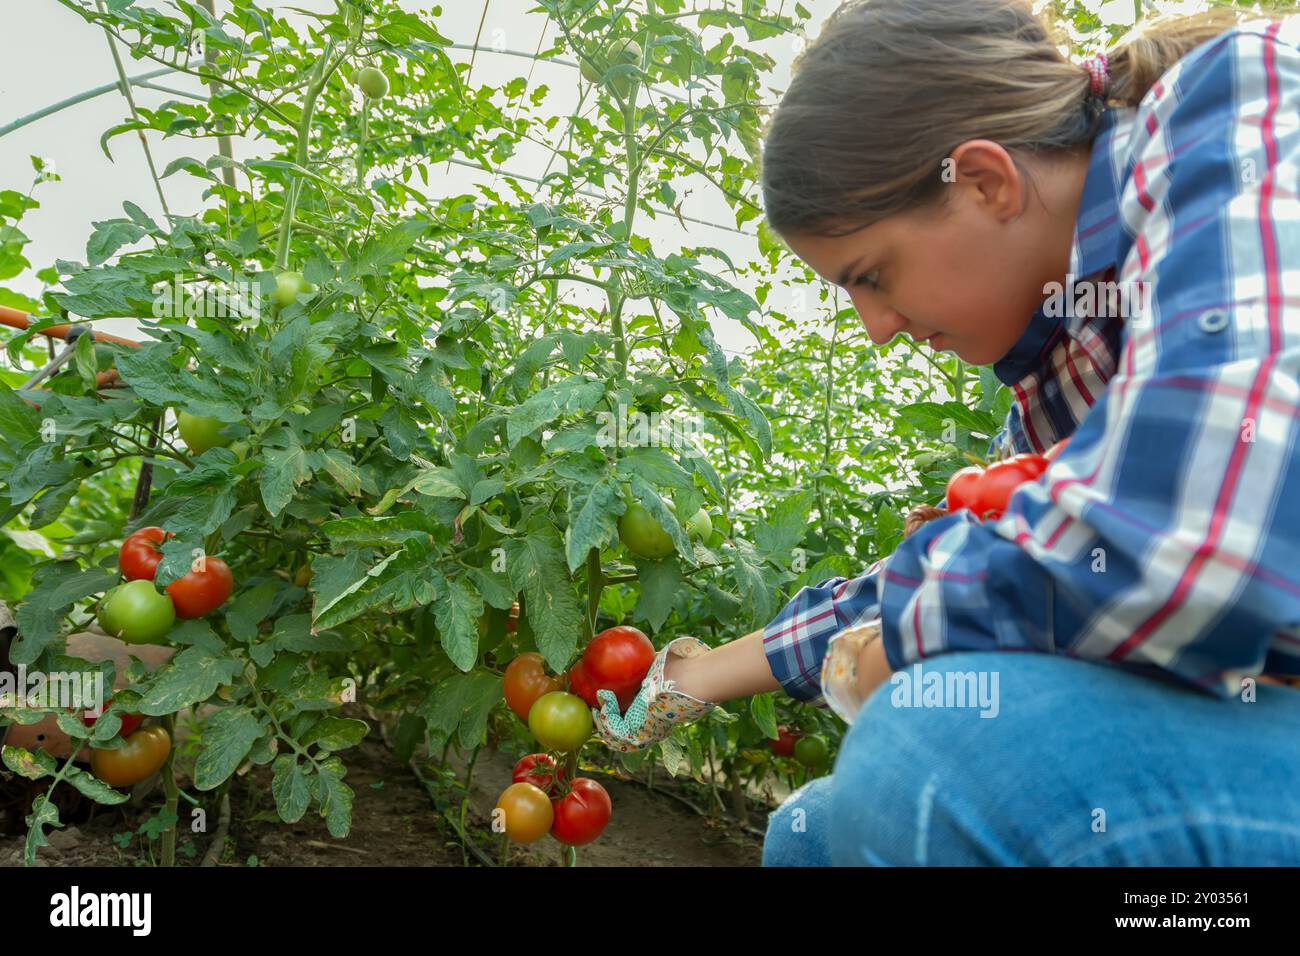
x: 891, y: 87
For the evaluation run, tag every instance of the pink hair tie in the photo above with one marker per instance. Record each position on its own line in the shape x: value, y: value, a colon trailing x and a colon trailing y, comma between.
x: 1098, y: 68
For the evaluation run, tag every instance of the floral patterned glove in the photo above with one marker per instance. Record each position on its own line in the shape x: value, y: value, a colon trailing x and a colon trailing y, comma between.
x: 657, y: 707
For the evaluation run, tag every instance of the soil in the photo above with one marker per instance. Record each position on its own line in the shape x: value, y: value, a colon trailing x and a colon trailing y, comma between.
x: 396, y: 822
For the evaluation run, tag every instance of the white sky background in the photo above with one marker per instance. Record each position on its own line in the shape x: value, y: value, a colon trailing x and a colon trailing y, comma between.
x: 52, y: 54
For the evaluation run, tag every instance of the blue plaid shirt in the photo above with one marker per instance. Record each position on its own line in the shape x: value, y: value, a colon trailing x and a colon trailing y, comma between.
x: 1167, y: 535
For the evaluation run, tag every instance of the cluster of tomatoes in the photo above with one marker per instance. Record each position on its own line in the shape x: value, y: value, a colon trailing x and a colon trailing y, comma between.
x: 645, y: 537
x: 541, y: 799
x: 619, y: 52
x: 986, y: 491
x: 811, y: 750
x: 135, y: 612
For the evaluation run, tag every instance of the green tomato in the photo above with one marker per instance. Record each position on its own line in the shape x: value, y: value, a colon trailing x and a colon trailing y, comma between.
x: 812, y: 751
x: 560, y: 721
x: 372, y: 82
x: 288, y: 286
x: 200, y: 433
x: 699, y: 525
x: 643, y: 535
x: 590, y: 69
x: 136, y: 613
x: 109, y: 622
x: 623, y: 51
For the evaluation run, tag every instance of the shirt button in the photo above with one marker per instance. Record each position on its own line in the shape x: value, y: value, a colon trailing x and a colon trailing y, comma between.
x: 1215, y: 320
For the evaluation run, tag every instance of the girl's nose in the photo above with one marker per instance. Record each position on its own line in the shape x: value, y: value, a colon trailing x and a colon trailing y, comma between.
x: 881, y: 322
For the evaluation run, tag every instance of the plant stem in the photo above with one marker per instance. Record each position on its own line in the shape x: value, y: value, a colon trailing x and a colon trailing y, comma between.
x: 172, y: 793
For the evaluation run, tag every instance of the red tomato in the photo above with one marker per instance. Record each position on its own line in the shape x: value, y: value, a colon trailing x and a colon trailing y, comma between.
x: 541, y: 771
x: 783, y: 746
x: 987, y: 491
x: 130, y: 722
x: 582, y: 815
x: 618, y: 659
x: 526, y: 680
x: 1056, y: 449
x: 202, y: 591
x: 139, y: 556
x: 580, y: 683
x: 962, y: 488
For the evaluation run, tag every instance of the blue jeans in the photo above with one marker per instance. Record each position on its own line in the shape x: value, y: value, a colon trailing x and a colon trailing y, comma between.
x: 1083, y: 764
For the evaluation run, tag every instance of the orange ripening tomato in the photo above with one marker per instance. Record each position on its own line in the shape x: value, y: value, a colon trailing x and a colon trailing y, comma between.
x: 143, y: 753
x: 526, y: 680
x: 528, y: 812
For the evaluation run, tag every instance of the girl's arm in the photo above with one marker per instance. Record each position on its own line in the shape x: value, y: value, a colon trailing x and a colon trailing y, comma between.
x: 741, y: 669
x: 736, y: 669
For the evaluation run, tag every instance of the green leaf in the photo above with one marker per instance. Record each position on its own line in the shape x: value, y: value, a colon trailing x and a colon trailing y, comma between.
x: 286, y: 469
x: 786, y: 528
x: 250, y: 609
x: 335, y: 733
x: 762, y: 707
x: 58, y: 585
x: 457, y: 611
x: 91, y: 786
x: 538, y: 570
x: 191, y: 677
x: 571, y: 396
x: 226, y: 742
x: 31, y: 764
x: 289, y: 787
x: 593, y: 520
x: 334, y: 795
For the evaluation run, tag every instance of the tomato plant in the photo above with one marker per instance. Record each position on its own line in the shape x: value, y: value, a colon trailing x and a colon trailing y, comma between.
x: 418, y: 393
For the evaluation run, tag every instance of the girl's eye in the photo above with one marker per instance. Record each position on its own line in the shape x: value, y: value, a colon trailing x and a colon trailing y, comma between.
x: 871, y: 278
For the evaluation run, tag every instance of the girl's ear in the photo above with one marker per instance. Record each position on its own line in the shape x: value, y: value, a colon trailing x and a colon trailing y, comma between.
x: 987, y: 174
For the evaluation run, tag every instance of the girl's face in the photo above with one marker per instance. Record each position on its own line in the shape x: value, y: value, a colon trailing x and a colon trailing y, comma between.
x: 967, y: 273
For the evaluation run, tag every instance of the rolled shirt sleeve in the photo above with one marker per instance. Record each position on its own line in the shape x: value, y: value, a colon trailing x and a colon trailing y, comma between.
x: 1166, y: 534
x: 796, y: 640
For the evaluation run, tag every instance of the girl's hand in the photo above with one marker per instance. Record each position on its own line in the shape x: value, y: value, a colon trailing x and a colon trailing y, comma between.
x: 658, y: 706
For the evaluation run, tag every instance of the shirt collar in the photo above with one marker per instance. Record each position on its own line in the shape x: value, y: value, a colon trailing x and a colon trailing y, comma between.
x: 1096, y: 238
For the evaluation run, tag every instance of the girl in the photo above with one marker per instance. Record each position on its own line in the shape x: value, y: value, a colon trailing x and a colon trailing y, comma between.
x: 1121, y: 242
